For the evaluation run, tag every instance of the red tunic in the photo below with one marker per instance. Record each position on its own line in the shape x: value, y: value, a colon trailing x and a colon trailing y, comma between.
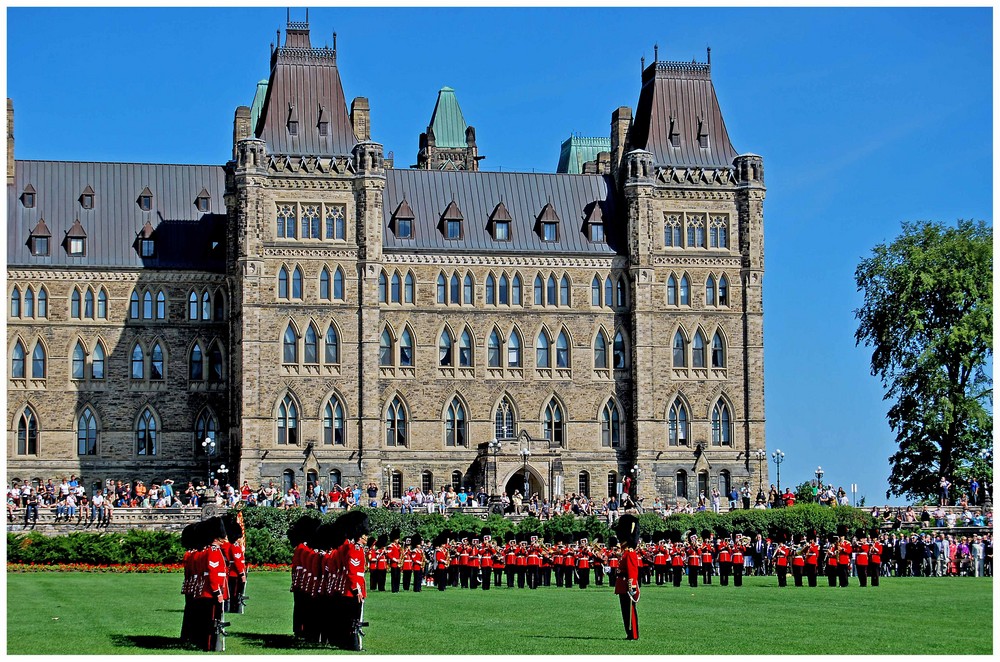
x: 355, y: 584
x: 845, y: 553
x: 215, y: 574
x: 628, y: 570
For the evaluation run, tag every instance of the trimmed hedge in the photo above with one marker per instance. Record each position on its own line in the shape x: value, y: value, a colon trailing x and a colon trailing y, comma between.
x: 267, y: 532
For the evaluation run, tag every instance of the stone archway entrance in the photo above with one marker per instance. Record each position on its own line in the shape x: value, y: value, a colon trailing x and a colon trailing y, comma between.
x: 516, y: 482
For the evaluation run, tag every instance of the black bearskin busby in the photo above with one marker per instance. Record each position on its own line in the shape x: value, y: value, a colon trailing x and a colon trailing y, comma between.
x: 189, y: 536
x: 627, y: 529
x: 355, y: 524
x: 301, y: 530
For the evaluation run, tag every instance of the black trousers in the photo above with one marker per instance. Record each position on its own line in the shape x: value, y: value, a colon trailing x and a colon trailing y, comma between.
x: 486, y: 573
x: 568, y: 578
x: 418, y: 580
x: 811, y: 574
x: 661, y: 574
x: 532, y: 576
x: 706, y: 573
x: 693, y: 575
x: 473, y: 577
x: 782, y: 575
x: 522, y: 572
x: 863, y: 574
x: 612, y: 576
x: 510, y: 576
x: 463, y: 576
x: 599, y: 574
x: 546, y: 575
x: 737, y: 574
x: 678, y: 574
x: 583, y: 577
x: 441, y: 578
x: 725, y: 569
x: 874, y: 574
x: 395, y: 573
x: 630, y: 618
x: 407, y: 576
x: 843, y: 572
x: 831, y: 574
x: 797, y: 574
x: 497, y: 576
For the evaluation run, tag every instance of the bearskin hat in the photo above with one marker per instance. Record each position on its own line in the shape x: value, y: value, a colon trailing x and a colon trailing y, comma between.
x: 394, y: 534
x: 233, y: 530
x: 324, y: 537
x: 613, y: 541
x: 627, y: 529
x: 415, y: 540
x: 355, y: 523
x: 302, y: 529
x: 189, y: 536
x: 215, y: 528
x: 509, y: 536
x: 486, y: 533
x: 382, y: 540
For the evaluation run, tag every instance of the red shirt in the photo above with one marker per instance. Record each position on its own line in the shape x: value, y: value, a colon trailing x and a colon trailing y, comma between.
x: 628, y: 570
x: 356, y: 572
x: 215, y: 574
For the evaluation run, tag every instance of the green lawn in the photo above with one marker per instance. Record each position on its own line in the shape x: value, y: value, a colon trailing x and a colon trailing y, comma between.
x: 79, y: 613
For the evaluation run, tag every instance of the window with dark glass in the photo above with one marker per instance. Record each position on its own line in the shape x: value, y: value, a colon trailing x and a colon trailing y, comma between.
x: 86, y: 433
x: 145, y: 434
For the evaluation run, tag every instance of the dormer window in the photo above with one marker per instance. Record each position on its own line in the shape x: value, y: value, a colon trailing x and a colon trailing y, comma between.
x: 675, y: 134
x: 594, y: 222
x: 548, y: 224
x: 402, y: 221
x: 76, y: 240
x: 323, y: 124
x: 147, y: 248
x: 293, y: 120
x: 145, y: 242
x: 145, y: 200
x: 87, y: 198
x: 203, y: 201
x: 596, y: 232
x: 500, y: 221
x: 324, y: 128
x: 38, y: 240
x: 28, y: 197
x: 451, y: 222
x: 702, y: 132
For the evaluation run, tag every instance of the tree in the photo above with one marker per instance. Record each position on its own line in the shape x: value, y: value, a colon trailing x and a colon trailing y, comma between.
x: 928, y: 315
x: 804, y: 492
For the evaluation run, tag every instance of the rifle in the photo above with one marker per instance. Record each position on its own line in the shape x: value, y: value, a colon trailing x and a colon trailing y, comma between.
x: 356, y: 632
x: 219, y: 630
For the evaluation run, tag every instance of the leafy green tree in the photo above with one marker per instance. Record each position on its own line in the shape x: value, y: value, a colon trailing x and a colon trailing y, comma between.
x: 928, y: 317
x: 804, y: 492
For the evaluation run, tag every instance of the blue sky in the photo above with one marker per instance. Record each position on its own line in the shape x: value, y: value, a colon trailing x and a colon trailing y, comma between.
x: 865, y: 118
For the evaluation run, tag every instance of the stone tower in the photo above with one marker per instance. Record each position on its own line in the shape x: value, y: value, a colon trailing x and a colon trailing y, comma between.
x: 450, y: 143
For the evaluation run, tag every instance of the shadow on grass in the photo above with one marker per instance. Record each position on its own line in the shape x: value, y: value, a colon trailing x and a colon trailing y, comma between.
x: 152, y: 642
x: 549, y: 636
x: 285, y: 641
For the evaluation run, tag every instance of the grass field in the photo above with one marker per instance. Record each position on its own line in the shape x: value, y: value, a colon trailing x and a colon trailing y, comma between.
x: 79, y: 613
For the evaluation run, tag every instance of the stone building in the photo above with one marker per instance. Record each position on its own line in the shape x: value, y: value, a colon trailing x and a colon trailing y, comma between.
x: 322, y: 316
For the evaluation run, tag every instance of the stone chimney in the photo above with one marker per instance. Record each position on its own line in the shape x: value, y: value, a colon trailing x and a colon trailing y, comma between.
x: 241, y: 126
x: 360, y: 118
x: 621, y: 120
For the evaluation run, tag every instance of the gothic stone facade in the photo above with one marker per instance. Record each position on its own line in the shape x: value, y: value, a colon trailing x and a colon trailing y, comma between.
x: 325, y: 316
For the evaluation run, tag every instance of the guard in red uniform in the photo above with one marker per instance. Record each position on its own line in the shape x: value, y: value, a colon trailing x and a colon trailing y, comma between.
x: 693, y: 562
x: 395, y: 554
x: 499, y: 564
x: 237, y: 565
x: 614, y: 556
x: 677, y: 559
x: 485, y: 553
x: 844, y: 561
x: 627, y: 581
x: 799, y: 561
x: 510, y: 557
x: 298, y: 535
x: 215, y: 590
x: 875, y: 560
x: 725, y: 563
x: 781, y: 563
x: 583, y: 558
x: 738, y: 549
x: 545, y: 571
x: 521, y: 560
x: 534, y: 567
x: 558, y: 555
x: 707, y: 558
x: 406, y: 562
x: 660, y: 563
x: 191, y: 586
x: 861, y: 561
x: 418, y: 561
x: 812, y: 562
x: 441, y: 561
x: 832, y: 553
x: 356, y: 528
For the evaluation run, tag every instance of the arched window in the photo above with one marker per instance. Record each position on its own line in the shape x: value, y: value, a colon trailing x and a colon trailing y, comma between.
x: 395, y: 424
x: 718, y: 351
x: 27, y: 433
x: 620, y: 300
x: 333, y: 423
x: 86, y: 433
x: 288, y: 475
x: 504, y: 422
x: 206, y: 426
x: 29, y: 303
x: 156, y: 362
x: 455, y: 424
x: 335, y: 477
x: 608, y: 292
x: 677, y: 422
x: 283, y: 283
x: 406, y: 349
x: 564, y: 298
x: 550, y: 291
x: 539, y: 288
x: 75, y: 310
x: 331, y: 346
x: 297, y: 283
x: 722, y: 432
x: 102, y: 304
x: 672, y: 290
x: 385, y: 348
x: 467, y: 289
x: 553, y: 420
x: 133, y: 305
x: 456, y: 480
x: 138, y: 362
x: 680, y: 350
x: 290, y: 346
x: 17, y: 361
x: 612, y: 483
x: 584, y: 484
x: 723, y: 291
x: 426, y: 481
x: 444, y: 349
x: 493, y: 349
x: 97, y: 362
x: 38, y: 366
x: 562, y: 350
x: 43, y: 302
x: 408, y: 288
x: 310, y: 347
x: 595, y: 292
x: 698, y: 350
x: 196, y: 367
x: 456, y: 291
x: 396, y: 288
x: 685, y: 291
x: 681, y: 484
x: 145, y: 434
x: 79, y: 361
x: 504, y: 297
x: 611, y: 425
x: 465, y: 349
x: 147, y: 305
x: 383, y: 288
x: 515, y: 291
x: 324, y: 284
x: 15, y: 302
x: 442, y: 289
x: 193, y: 305
x: 703, y: 487
x: 725, y: 482
x: 542, y: 350
x: 620, y: 355
x: 288, y: 421
x: 215, y: 368
x: 491, y: 290
x: 710, y: 291
x: 514, y: 350
x: 338, y: 285
x: 600, y: 351
x: 220, y: 306
x: 206, y: 305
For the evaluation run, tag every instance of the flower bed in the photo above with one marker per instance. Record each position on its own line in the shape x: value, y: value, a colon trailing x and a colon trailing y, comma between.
x: 125, y: 567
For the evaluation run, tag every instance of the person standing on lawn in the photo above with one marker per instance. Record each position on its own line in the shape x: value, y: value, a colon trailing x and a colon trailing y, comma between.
x: 627, y: 580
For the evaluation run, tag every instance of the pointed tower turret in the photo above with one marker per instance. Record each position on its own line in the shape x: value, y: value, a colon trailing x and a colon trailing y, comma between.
x: 450, y: 143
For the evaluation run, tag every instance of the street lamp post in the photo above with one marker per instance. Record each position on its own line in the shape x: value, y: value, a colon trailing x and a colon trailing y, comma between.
x: 525, y: 454
x: 778, y: 458
x: 209, y: 447
x: 494, y: 448
x: 635, y: 483
x: 760, y: 454
x: 819, y: 482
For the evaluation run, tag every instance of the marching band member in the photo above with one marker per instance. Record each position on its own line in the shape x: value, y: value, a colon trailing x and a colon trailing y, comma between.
x: 627, y: 581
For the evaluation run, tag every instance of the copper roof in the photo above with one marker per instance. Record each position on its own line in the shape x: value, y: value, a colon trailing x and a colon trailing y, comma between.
x: 304, y: 83
x: 677, y: 105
